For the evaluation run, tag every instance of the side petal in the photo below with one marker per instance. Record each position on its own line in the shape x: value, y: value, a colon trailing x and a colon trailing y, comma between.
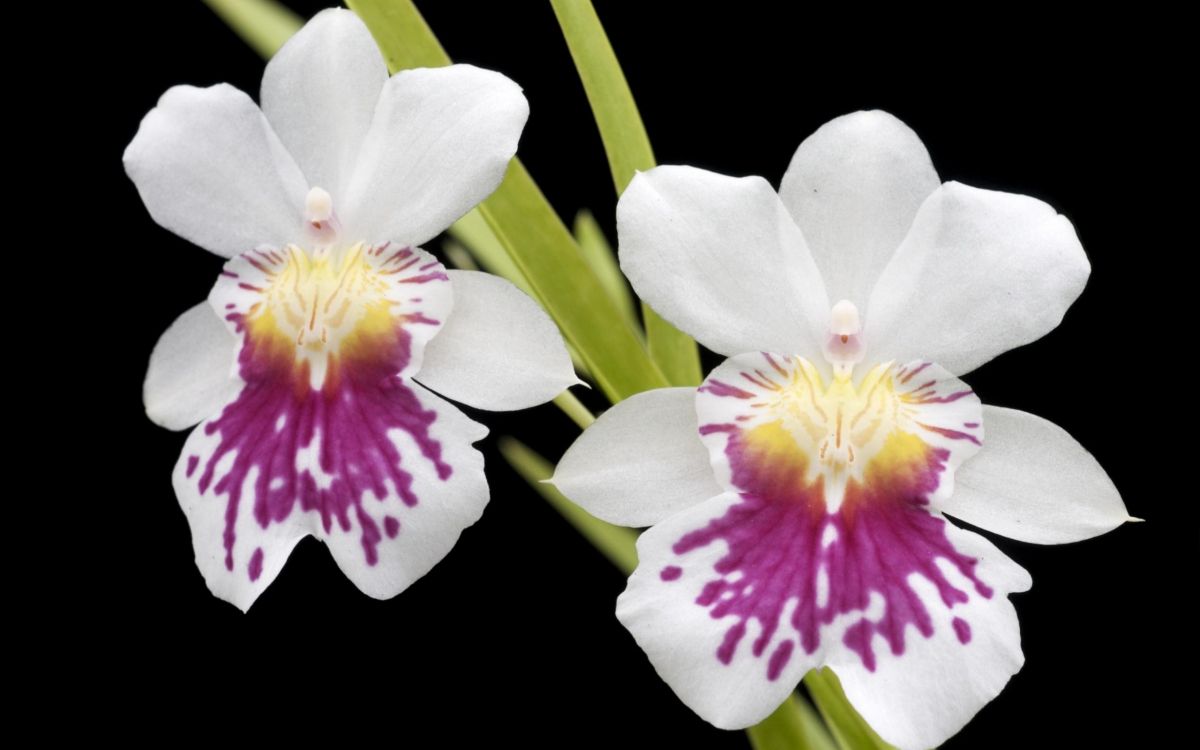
x: 414, y: 526
x: 209, y: 168
x: 319, y: 92
x: 192, y: 370
x: 923, y: 696
x: 1032, y: 481
x: 498, y: 350
x: 854, y: 187
x: 980, y: 272
x: 641, y: 462
x: 721, y: 258
x: 439, y: 143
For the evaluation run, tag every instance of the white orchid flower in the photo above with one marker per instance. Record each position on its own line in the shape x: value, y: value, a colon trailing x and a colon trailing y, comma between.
x: 305, y: 360
x: 797, y: 497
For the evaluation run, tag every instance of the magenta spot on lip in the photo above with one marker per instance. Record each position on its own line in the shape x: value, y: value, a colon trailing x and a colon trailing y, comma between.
x: 779, y: 659
x: 930, y: 399
x: 774, y: 533
x: 952, y: 434
x: 670, y: 573
x: 191, y: 464
x: 425, y: 278
x: 717, y: 388
x: 391, y: 526
x: 962, y: 629
x: 911, y: 373
x: 361, y: 401
x: 256, y: 563
x: 970, y: 425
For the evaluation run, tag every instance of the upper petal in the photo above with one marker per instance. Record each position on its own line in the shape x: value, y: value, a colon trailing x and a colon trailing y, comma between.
x: 1032, y: 481
x: 209, y: 167
x: 641, y: 461
x: 498, y: 350
x: 319, y: 92
x: 439, y: 143
x: 980, y: 272
x: 721, y: 258
x: 854, y: 187
x: 191, y: 374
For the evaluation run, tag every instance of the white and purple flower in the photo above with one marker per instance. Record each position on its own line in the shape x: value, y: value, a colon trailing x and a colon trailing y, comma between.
x: 796, y: 508
x: 313, y: 363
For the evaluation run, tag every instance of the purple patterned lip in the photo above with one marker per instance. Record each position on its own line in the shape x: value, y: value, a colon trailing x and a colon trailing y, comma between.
x: 285, y: 445
x: 786, y: 544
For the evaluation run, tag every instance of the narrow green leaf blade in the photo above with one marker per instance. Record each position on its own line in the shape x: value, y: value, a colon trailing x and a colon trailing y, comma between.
x: 263, y: 24
x: 617, y: 543
x: 673, y: 351
x: 474, y: 233
x: 628, y: 150
x: 533, y: 235
x: 792, y: 726
x: 600, y: 256
x: 574, y: 408
x: 849, y: 729
x: 401, y: 33
x: 621, y: 128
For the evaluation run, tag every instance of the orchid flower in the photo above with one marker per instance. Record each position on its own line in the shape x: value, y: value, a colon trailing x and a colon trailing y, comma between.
x: 314, y: 361
x: 798, y: 497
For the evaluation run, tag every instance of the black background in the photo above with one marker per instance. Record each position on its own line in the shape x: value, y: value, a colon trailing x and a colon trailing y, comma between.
x: 512, y: 636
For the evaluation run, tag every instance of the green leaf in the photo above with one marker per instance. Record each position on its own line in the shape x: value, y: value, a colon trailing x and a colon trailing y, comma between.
x: 401, y: 33
x: 599, y: 255
x: 479, y: 239
x: 849, y: 729
x: 263, y: 24
x: 628, y: 150
x: 535, y: 238
x: 616, y: 114
x: 617, y: 543
x: 792, y: 726
x: 574, y: 408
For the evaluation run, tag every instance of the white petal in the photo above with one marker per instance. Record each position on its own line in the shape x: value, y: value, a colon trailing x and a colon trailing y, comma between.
x: 980, y: 272
x: 499, y: 350
x: 641, y: 461
x: 1032, y: 481
x: 319, y: 92
x: 191, y: 374
x: 382, y: 471
x: 427, y: 530
x: 734, y: 599
x: 210, y: 169
x: 924, y: 696
x: 721, y: 258
x: 854, y: 187
x: 439, y: 143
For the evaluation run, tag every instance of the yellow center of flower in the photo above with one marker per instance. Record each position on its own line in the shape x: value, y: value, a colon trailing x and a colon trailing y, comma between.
x: 320, y: 302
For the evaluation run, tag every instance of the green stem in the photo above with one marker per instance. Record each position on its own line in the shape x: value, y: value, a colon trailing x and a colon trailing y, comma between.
x: 615, y: 542
x: 793, y: 726
x: 574, y: 408
x: 263, y: 24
